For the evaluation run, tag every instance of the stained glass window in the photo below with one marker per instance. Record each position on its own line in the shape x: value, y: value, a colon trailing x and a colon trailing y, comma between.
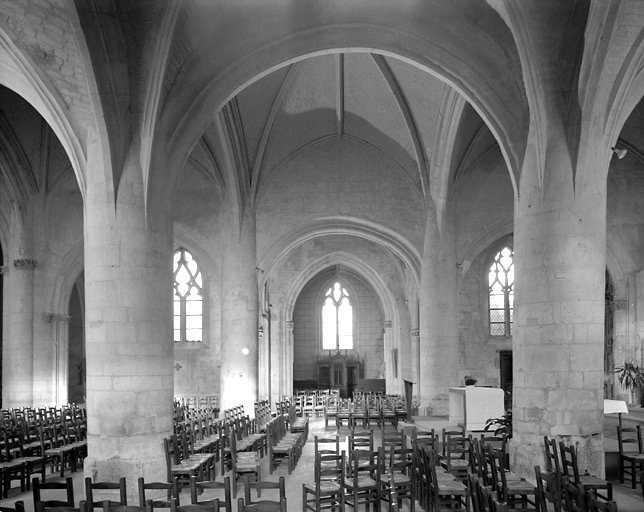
x: 188, y: 301
x: 337, y: 319
x: 501, y: 293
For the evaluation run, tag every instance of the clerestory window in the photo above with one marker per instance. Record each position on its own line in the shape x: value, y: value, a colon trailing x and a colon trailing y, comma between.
x: 501, y: 293
x: 188, y: 298
x: 337, y: 319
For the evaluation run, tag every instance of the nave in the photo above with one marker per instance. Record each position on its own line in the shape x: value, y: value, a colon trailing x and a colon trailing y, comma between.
x: 627, y: 499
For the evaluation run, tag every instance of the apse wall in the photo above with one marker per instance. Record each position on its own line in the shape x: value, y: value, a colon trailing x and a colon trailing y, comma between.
x: 307, y: 327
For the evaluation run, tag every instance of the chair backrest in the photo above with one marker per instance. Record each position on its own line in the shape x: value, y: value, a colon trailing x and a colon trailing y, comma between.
x: 569, y: 465
x: 553, y: 462
x: 330, y: 467
x: 455, y: 445
x: 171, y: 490
x: 548, y: 493
x: 67, y: 486
x: 42, y: 507
x: 327, y: 445
x: 367, y: 462
x: 474, y: 487
x: 392, y: 441
x: 263, y: 485
x: 197, y: 486
x: 109, y: 488
x: 360, y: 440
x: 628, y: 440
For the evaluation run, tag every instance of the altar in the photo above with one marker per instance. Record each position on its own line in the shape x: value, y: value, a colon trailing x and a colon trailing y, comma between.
x: 472, y: 406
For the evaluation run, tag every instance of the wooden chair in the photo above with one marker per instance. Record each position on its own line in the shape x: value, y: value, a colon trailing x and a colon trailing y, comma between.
x: 264, y: 485
x: 401, y: 476
x: 446, y: 493
x: 58, y: 487
x: 509, y: 488
x: 15, y: 451
x: 327, y: 491
x: 574, y: 496
x: 570, y: 468
x: 631, y: 456
x: 456, y: 453
x: 114, y: 489
x: 595, y: 504
x: 362, y: 484
x: 171, y: 490
x: 548, y: 495
x: 197, y: 487
x: 177, y: 468
x: 11, y: 469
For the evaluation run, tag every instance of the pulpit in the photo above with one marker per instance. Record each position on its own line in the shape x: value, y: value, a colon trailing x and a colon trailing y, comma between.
x: 472, y: 406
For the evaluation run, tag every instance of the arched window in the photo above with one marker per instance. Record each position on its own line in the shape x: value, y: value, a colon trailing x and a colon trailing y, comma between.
x: 501, y: 292
x: 188, y: 298
x: 337, y: 319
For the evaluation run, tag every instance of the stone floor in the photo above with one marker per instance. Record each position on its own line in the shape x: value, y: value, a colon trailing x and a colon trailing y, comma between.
x: 628, y: 500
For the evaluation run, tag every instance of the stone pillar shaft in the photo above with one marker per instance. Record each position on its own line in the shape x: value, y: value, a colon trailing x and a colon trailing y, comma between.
x: 558, y: 341
x: 239, y: 318
x: 437, y: 317
x: 128, y: 324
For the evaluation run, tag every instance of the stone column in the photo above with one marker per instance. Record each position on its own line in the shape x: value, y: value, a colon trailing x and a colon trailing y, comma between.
x: 287, y: 377
x: 558, y: 339
x: 239, y: 313
x: 437, y: 317
x: 18, y: 349
x: 60, y: 375
x: 128, y: 324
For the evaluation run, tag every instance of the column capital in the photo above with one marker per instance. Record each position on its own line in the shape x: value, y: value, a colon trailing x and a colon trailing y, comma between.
x: 386, y: 324
x: 25, y: 264
x: 415, y: 333
x: 290, y: 325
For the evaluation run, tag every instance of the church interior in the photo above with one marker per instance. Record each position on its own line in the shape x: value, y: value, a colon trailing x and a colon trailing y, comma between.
x: 229, y: 203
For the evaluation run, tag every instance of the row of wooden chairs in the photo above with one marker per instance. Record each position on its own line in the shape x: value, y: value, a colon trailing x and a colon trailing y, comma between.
x: 31, y: 442
x: 556, y: 493
x: 284, y: 444
x: 561, y: 459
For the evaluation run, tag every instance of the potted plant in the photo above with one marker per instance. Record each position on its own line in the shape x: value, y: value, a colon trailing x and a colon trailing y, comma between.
x: 470, y: 381
x: 631, y: 379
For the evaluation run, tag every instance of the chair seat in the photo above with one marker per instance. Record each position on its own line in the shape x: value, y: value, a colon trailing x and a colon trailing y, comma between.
x: 399, y: 479
x: 362, y: 482
x: 451, y: 487
x: 520, y: 487
x: 325, y: 487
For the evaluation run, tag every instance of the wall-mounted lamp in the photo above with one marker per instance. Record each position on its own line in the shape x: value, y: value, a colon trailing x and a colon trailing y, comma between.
x: 621, y: 153
x: 245, y: 351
